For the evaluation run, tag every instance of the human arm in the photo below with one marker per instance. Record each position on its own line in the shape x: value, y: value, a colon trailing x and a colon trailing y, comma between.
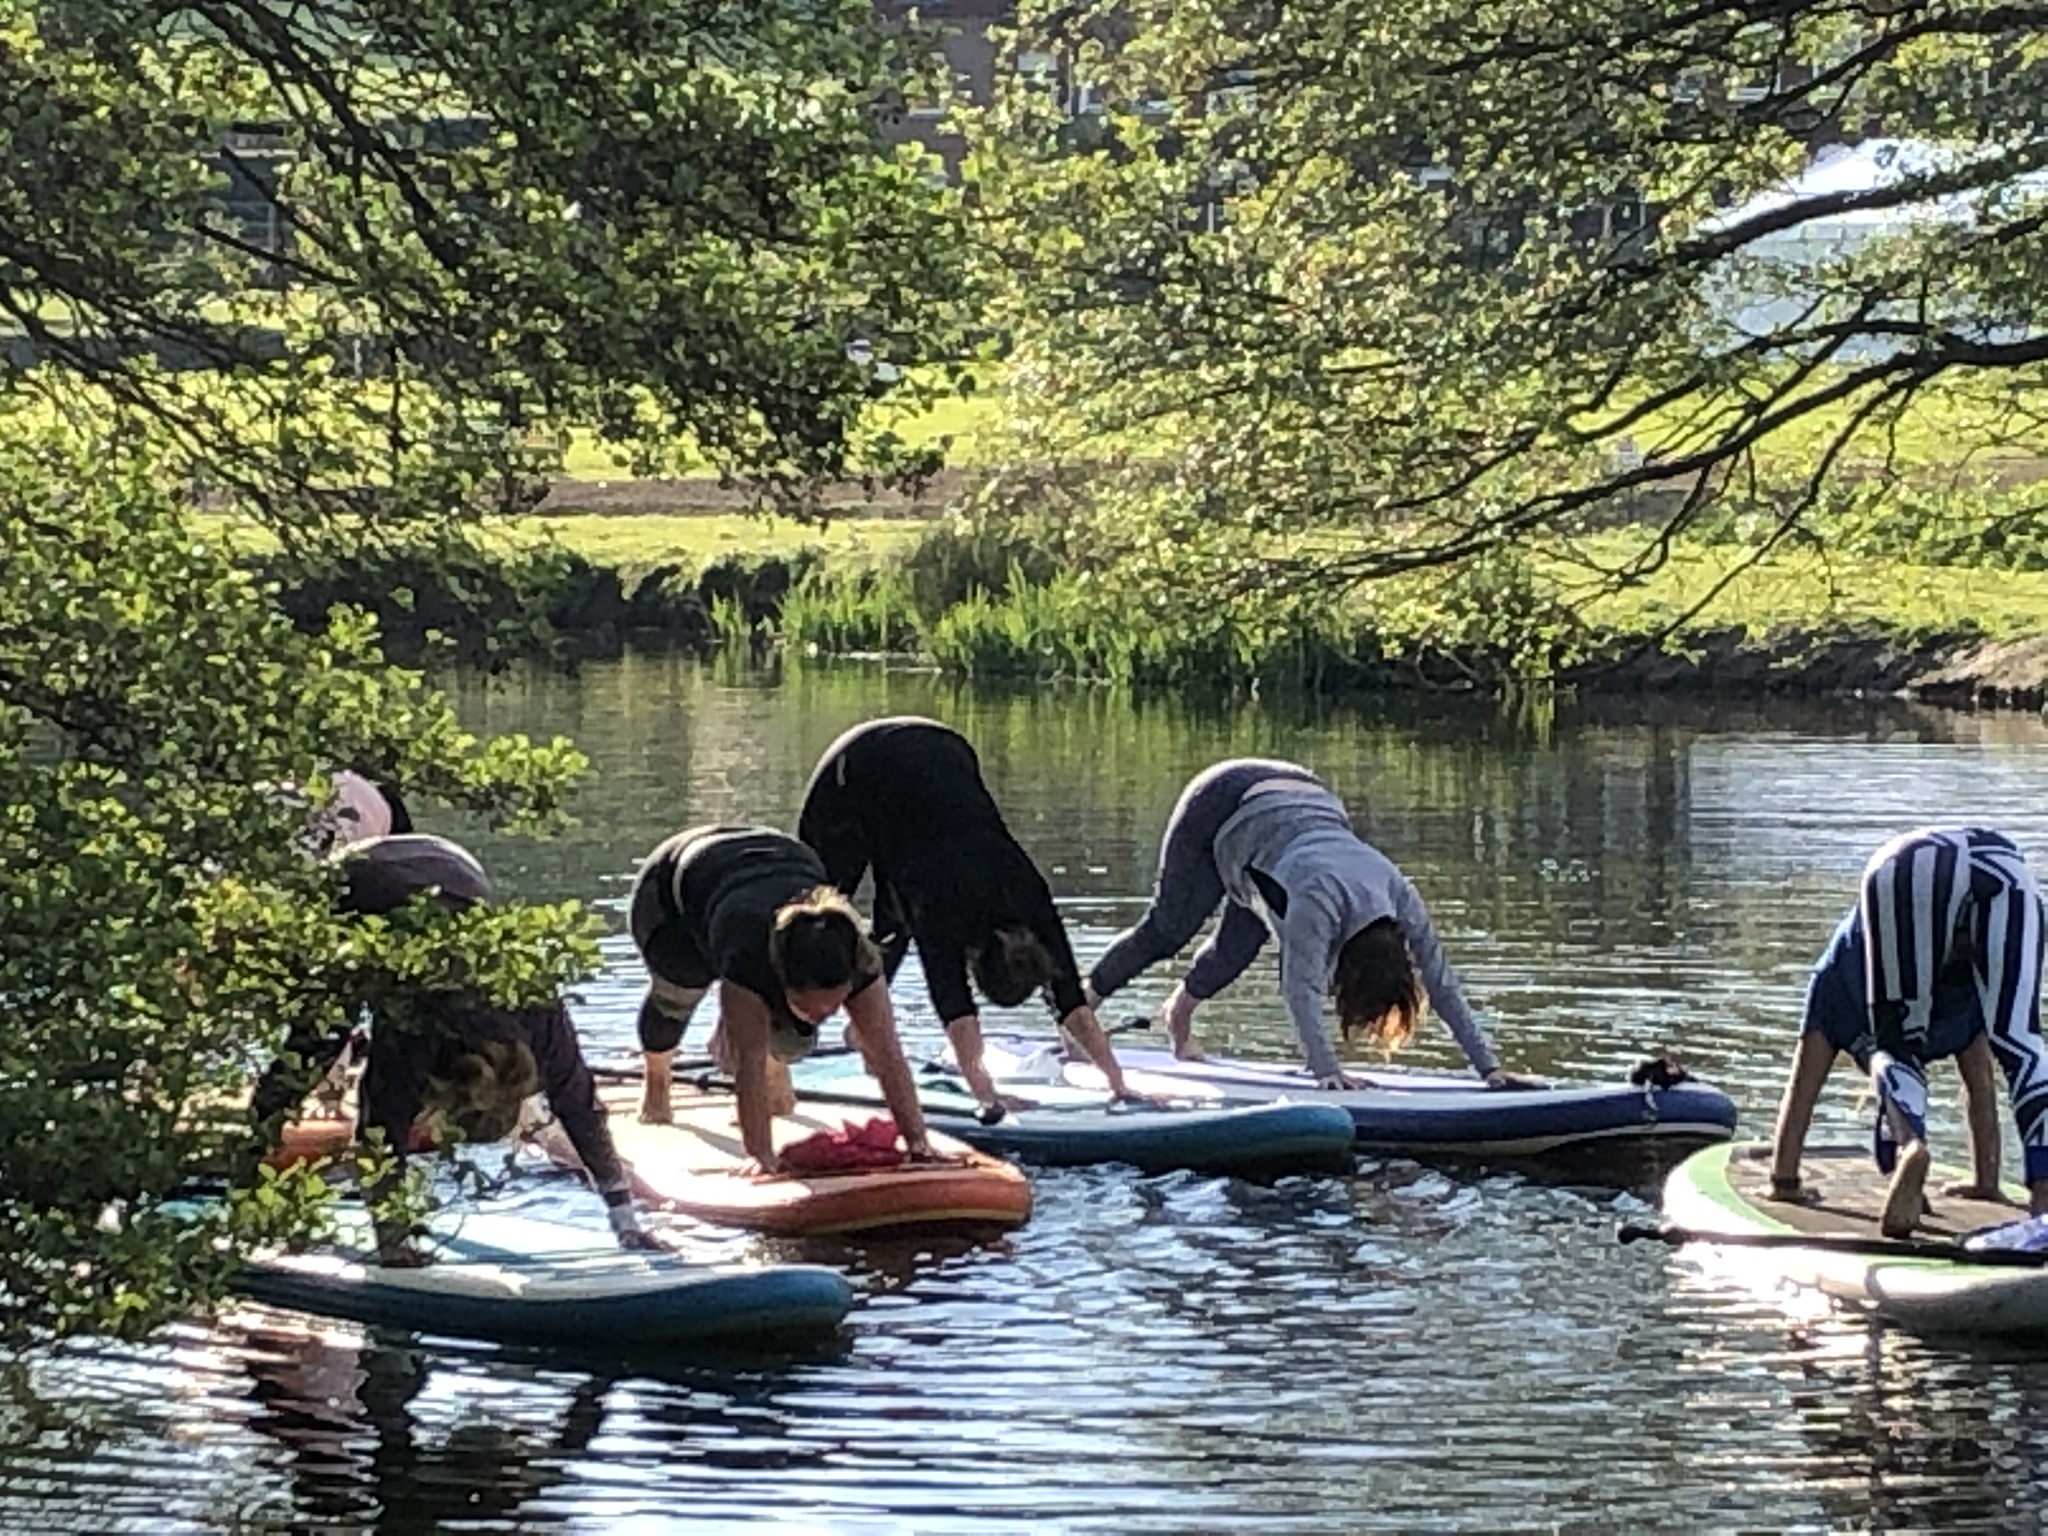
x: 945, y: 974
x: 572, y: 1094
x: 1980, y: 1109
x: 1089, y: 1034
x: 1069, y: 1000
x: 391, y: 1093
x: 964, y: 1033
x: 744, y: 1014
x: 874, y: 1022
x: 1441, y: 983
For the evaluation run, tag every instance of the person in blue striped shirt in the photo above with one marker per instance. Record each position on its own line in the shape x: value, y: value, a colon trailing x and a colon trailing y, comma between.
x: 1941, y: 957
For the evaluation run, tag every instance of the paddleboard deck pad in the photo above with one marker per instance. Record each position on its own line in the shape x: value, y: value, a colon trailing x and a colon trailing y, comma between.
x: 1074, y: 1126
x: 690, y: 1166
x: 509, y: 1278
x: 1726, y: 1190
x: 1439, y: 1114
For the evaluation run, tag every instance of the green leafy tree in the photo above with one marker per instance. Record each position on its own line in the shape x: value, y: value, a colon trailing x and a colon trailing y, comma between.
x: 324, y: 279
x: 1332, y: 294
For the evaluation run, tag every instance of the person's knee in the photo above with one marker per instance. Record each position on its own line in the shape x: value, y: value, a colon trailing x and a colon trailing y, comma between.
x: 660, y: 1032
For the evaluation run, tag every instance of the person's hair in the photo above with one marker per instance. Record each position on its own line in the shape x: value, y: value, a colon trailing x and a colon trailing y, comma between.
x: 1014, y: 964
x: 480, y: 1088
x: 1379, y: 995
x: 818, y: 942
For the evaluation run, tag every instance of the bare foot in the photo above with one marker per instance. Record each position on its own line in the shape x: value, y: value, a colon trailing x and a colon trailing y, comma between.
x: 1790, y: 1194
x: 654, y: 1106
x: 1906, y: 1200
x: 1966, y: 1189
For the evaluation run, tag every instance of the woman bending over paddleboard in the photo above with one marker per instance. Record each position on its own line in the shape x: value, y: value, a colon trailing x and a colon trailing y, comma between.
x: 1946, y: 940
x: 906, y: 797
x: 750, y: 909
x: 1837, y: 1022
x: 1272, y: 846
x: 449, y: 1054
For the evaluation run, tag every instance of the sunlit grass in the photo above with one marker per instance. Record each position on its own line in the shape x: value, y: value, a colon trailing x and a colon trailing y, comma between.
x: 642, y: 540
x: 1805, y: 589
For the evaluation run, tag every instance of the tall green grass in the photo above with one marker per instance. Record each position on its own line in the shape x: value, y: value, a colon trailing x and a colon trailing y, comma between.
x: 1009, y: 624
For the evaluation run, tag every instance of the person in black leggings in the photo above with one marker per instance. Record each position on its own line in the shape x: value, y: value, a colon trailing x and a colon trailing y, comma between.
x: 905, y: 797
x: 750, y: 910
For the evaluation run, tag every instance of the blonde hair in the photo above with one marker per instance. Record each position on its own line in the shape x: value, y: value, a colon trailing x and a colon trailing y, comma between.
x: 483, y: 1087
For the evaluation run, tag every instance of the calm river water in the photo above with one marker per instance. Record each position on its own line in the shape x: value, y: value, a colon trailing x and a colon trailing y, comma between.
x: 1401, y: 1350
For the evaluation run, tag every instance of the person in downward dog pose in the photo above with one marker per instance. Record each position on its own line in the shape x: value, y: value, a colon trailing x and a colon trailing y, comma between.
x: 459, y: 1058
x: 1837, y: 1023
x: 905, y: 796
x: 1275, y: 849
x: 750, y: 910
x: 1943, y: 911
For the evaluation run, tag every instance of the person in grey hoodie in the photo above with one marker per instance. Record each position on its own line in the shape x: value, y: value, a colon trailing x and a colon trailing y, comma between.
x: 1274, y: 847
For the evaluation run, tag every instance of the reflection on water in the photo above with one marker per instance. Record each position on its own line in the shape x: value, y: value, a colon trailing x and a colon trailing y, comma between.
x: 1403, y: 1350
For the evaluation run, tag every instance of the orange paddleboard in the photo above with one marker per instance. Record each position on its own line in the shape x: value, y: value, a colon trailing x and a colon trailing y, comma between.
x: 690, y: 1166
x: 308, y: 1141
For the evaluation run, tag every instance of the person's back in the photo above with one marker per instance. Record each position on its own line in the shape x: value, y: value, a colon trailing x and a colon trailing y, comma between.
x: 914, y: 787
x: 1838, y: 999
x: 904, y: 797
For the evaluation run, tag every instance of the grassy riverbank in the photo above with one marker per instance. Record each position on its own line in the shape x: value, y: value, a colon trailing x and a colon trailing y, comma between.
x: 1943, y: 572
x: 1803, y: 621
x: 1794, y: 589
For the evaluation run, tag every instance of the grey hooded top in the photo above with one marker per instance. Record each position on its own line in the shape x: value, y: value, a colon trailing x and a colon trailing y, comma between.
x: 1298, y: 836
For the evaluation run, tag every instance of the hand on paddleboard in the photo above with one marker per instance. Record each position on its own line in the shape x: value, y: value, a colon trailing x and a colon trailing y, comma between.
x: 640, y: 1240
x: 755, y: 1168
x: 1340, y: 1082
x: 1513, y: 1082
x: 1141, y: 1100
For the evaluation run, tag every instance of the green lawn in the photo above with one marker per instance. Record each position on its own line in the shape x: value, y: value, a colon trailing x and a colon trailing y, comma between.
x: 638, y: 541
x: 969, y: 422
x: 1803, y: 589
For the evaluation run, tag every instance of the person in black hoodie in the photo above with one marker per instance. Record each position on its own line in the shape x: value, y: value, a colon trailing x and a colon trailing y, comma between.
x: 905, y: 797
x: 748, y: 909
x: 447, y: 1053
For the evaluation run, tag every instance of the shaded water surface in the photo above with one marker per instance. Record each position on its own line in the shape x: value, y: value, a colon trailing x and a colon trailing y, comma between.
x: 1402, y: 1350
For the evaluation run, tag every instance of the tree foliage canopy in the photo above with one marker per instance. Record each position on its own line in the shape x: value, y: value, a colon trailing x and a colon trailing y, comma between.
x: 1333, y: 293
x: 340, y: 275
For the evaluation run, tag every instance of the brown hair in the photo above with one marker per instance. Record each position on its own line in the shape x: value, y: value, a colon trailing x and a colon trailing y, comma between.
x: 818, y: 942
x: 482, y: 1087
x: 1014, y: 964
x: 1378, y: 993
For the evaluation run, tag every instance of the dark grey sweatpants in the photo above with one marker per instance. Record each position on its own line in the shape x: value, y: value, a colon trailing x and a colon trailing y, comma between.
x: 1190, y: 887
